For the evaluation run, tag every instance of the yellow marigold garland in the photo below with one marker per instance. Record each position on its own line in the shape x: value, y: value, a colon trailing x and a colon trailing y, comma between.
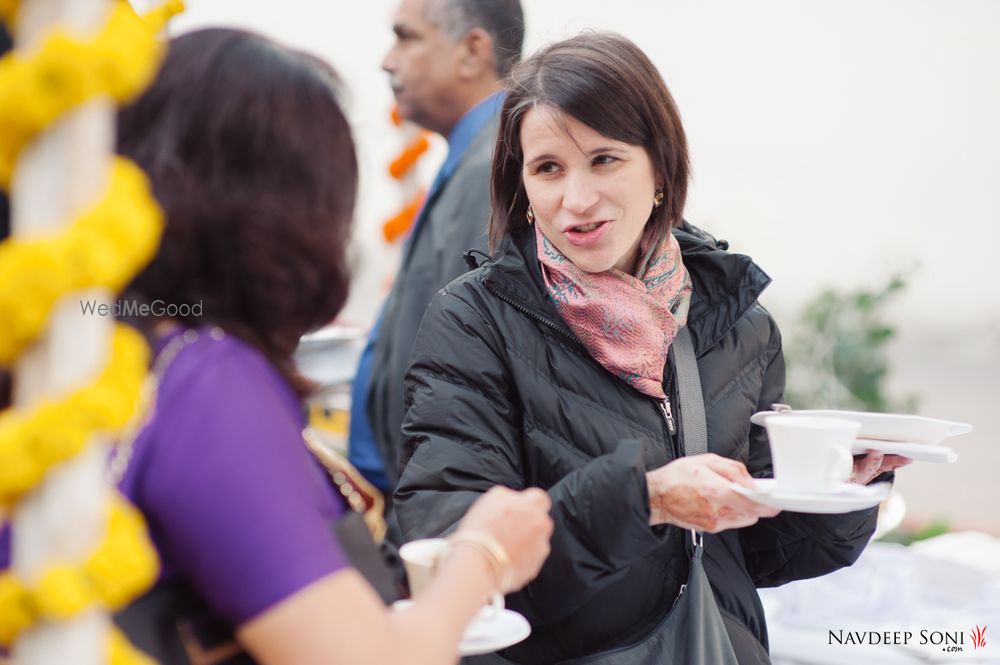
x: 123, y: 565
x: 53, y: 431
x: 120, y: 61
x: 158, y: 17
x: 104, y: 247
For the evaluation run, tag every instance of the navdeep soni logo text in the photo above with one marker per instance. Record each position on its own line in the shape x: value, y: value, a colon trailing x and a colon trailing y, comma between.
x: 948, y: 640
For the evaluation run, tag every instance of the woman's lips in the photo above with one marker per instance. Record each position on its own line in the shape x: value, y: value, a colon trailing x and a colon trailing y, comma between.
x: 586, y: 234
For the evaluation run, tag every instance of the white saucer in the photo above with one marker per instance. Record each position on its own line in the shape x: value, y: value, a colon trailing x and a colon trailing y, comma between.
x: 848, y: 497
x: 491, y: 630
x: 916, y: 451
x: 899, y: 427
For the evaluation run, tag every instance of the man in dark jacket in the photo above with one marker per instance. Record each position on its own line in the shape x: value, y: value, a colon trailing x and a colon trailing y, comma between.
x: 502, y: 392
x: 445, y: 69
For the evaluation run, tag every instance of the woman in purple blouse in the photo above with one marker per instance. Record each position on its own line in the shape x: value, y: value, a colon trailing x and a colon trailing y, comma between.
x: 252, y: 160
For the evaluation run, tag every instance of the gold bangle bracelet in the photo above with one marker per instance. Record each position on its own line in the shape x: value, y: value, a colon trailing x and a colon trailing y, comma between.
x: 495, y: 554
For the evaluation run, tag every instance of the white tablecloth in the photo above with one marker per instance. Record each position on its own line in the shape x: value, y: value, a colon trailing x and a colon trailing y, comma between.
x: 949, y: 584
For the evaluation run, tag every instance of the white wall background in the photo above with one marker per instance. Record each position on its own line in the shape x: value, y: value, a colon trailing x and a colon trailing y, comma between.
x: 835, y: 141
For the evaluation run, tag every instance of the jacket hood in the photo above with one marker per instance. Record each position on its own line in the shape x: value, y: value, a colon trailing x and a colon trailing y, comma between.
x: 725, y: 285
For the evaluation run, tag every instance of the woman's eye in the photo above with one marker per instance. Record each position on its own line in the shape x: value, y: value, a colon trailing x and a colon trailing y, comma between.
x: 546, y: 167
x: 604, y: 159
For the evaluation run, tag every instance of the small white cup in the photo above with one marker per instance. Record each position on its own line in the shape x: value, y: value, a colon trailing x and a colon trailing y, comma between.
x: 810, y: 454
x: 421, y: 559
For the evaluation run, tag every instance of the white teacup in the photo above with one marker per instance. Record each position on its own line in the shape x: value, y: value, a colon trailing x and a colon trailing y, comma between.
x: 810, y: 454
x: 421, y: 559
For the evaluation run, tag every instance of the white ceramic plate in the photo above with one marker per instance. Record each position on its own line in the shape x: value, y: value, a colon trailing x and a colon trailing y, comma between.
x: 491, y: 630
x: 846, y: 498
x: 916, y: 451
x: 884, y: 426
x: 332, y: 334
x: 330, y: 355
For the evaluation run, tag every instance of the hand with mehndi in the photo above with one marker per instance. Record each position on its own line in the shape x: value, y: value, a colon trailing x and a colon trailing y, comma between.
x: 695, y: 492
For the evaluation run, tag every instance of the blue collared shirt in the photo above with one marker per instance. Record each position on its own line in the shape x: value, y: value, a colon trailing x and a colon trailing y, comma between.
x: 459, y: 139
x: 362, y: 451
x: 466, y: 129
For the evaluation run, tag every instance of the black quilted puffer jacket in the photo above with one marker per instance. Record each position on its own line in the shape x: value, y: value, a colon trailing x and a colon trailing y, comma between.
x: 500, y: 391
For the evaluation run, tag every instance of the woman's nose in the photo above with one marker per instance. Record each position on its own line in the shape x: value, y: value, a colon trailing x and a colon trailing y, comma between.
x: 580, y: 194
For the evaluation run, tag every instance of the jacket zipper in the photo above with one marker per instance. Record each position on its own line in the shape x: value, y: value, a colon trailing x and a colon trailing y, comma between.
x: 527, y: 312
x: 666, y: 409
x: 680, y: 593
x: 668, y: 415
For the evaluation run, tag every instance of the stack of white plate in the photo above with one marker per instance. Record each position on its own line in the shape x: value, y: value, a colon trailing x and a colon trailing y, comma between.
x: 330, y: 355
x: 916, y: 437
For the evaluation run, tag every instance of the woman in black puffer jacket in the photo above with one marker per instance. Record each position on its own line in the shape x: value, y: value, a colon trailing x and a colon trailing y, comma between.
x: 549, y: 366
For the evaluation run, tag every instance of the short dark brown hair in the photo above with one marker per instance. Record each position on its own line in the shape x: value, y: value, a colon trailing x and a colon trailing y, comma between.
x: 252, y: 160
x: 606, y: 82
x: 503, y: 20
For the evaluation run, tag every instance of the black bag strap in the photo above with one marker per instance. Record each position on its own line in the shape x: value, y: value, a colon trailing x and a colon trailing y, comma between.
x: 692, y: 403
x: 689, y: 394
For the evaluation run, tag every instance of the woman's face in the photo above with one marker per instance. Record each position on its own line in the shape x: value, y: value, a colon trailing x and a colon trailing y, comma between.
x: 591, y: 195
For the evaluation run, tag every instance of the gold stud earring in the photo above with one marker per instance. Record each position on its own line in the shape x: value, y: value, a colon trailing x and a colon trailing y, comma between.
x: 530, y: 215
x: 658, y: 199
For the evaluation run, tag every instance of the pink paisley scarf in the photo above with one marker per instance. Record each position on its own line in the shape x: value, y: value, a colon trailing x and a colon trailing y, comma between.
x: 627, y: 323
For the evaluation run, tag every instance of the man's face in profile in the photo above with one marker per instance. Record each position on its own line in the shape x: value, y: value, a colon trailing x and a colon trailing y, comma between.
x: 422, y: 66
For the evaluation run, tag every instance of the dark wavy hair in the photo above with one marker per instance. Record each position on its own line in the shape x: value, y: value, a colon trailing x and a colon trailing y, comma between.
x: 252, y: 160
x: 606, y: 82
